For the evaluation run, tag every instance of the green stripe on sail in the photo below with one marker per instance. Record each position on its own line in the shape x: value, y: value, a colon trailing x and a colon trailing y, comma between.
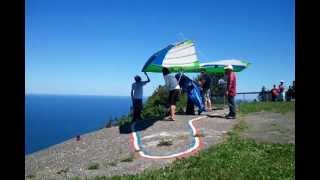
x: 153, y: 68
x: 187, y: 42
x: 194, y: 67
x: 184, y: 43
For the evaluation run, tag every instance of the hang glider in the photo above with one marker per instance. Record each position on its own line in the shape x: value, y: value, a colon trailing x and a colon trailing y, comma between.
x: 182, y: 57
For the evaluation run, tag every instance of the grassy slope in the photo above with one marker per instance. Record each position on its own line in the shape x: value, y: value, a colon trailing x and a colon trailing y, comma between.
x: 235, y: 158
x: 280, y: 107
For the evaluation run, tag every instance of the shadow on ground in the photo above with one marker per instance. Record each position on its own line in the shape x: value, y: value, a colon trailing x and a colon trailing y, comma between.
x: 140, y: 125
x: 216, y: 116
x: 218, y: 108
x: 146, y: 123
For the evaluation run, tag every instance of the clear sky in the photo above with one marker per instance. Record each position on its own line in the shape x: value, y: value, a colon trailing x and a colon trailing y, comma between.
x: 96, y: 47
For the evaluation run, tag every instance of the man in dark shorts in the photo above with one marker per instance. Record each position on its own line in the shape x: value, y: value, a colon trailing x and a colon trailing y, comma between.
x: 206, y: 82
x: 136, y: 96
x: 174, y: 90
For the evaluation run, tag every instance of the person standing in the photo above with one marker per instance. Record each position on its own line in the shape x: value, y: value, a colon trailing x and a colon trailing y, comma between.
x: 274, y: 93
x: 293, y: 90
x: 231, y: 91
x: 263, y: 94
x: 281, y: 91
x: 172, y: 85
x: 137, y: 95
x: 206, y: 83
x: 289, y: 94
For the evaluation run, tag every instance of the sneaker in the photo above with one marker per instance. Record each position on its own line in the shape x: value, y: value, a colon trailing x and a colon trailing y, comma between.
x: 169, y: 118
x: 200, y: 111
x: 231, y: 117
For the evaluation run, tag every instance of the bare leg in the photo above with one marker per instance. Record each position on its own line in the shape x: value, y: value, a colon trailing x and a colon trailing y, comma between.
x: 172, y: 111
x: 209, y: 105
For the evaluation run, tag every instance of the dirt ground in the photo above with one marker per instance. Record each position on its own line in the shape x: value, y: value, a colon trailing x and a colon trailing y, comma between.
x: 270, y: 127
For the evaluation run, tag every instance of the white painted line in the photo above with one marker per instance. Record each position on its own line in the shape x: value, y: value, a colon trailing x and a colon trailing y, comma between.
x: 194, y: 147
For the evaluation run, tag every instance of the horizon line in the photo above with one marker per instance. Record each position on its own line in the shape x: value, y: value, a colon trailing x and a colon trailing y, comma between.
x: 78, y: 94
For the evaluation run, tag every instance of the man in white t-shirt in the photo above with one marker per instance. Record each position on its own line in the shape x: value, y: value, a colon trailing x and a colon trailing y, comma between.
x: 136, y: 96
x: 173, y: 87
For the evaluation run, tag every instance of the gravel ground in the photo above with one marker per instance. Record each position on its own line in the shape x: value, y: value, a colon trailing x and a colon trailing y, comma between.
x: 110, y: 148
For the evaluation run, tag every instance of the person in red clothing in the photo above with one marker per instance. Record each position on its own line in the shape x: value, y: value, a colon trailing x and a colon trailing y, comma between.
x: 231, y: 91
x: 274, y: 93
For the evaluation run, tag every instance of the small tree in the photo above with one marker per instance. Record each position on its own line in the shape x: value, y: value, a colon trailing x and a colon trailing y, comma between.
x: 156, y: 104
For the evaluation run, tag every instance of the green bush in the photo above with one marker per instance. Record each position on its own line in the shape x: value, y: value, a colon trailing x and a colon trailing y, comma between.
x: 157, y: 104
x: 124, y: 119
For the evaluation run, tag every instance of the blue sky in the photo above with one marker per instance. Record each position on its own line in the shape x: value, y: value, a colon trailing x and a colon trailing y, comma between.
x: 96, y: 47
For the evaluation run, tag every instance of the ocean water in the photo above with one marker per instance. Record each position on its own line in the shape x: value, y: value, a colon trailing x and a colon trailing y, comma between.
x: 51, y: 119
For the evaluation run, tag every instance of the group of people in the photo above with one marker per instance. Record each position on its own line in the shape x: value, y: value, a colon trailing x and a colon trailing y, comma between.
x: 279, y: 93
x: 198, y: 93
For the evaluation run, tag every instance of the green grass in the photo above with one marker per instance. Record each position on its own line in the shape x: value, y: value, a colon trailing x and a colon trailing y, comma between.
x: 280, y: 107
x: 235, y: 159
x: 240, y: 126
x: 93, y: 166
x: 128, y: 159
x: 31, y: 176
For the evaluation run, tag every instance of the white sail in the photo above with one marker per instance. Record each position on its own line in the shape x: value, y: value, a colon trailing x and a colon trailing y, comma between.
x: 233, y: 62
x: 181, y: 55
